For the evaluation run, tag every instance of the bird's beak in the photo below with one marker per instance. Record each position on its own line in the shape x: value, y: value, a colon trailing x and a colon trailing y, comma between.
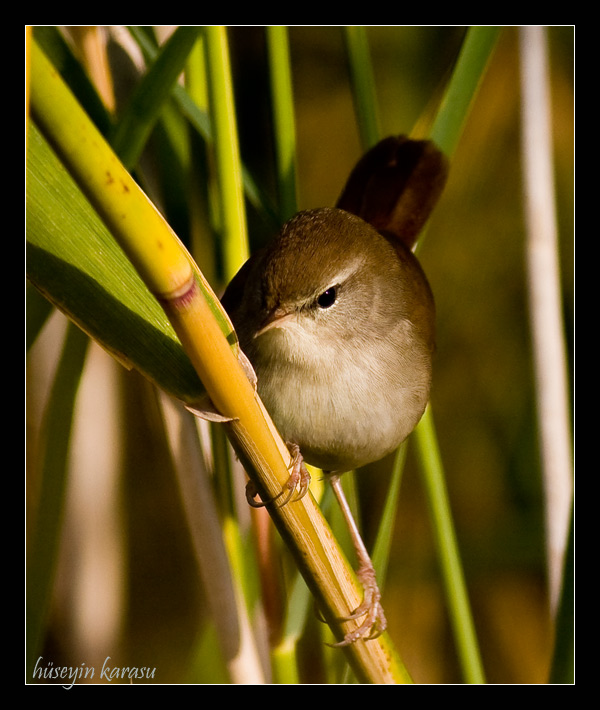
x: 277, y: 318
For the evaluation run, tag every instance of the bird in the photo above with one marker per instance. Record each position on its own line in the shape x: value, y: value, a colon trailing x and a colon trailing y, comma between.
x: 337, y: 319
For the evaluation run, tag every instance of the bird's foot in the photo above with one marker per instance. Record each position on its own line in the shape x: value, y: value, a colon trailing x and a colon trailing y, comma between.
x: 295, y: 488
x: 374, y: 622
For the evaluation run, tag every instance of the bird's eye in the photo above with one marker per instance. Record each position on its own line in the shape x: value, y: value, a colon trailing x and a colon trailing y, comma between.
x: 327, y: 298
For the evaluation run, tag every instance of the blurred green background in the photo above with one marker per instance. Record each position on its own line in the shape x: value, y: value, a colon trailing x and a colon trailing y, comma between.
x: 127, y: 569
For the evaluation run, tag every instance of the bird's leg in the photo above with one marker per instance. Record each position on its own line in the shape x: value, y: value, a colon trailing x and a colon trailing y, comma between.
x: 298, y: 482
x: 374, y: 622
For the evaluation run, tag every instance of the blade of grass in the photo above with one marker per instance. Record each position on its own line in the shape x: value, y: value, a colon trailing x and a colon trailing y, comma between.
x: 201, y: 122
x: 283, y: 119
x: 173, y: 278
x: 545, y: 301
x: 469, y: 71
x: 363, y: 85
x: 136, y: 123
x: 47, y: 519
x: 231, y: 224
x: 445, y: 132
x: 222, y: 108
x: 74, y: 261
x: 201, y: 187
x: 467, y: 75
x: 222, y: 580
x: 563, y: 660
x: 385, y: 530
x: 284, y: 655
x: 447, y: 546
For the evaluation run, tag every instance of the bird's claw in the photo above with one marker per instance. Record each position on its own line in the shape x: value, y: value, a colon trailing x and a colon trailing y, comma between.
x: 374, y: 623
x: 295, y: 487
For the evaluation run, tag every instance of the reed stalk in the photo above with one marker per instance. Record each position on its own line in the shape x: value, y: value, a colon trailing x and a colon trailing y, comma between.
x: 186, y: 298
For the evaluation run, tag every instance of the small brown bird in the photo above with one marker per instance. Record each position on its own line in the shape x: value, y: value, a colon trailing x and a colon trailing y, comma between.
x: 337, y: 319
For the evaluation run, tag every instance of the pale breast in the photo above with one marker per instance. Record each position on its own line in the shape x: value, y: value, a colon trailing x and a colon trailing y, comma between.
x: 346, y: 415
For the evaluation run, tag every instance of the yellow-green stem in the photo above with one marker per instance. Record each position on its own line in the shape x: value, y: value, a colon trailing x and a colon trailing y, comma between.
x: 229, y: 174
x: 173, y: 278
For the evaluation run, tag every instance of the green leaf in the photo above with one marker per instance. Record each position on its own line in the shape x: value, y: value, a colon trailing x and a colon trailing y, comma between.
x: 76, y: 263
x: 153, y: 90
